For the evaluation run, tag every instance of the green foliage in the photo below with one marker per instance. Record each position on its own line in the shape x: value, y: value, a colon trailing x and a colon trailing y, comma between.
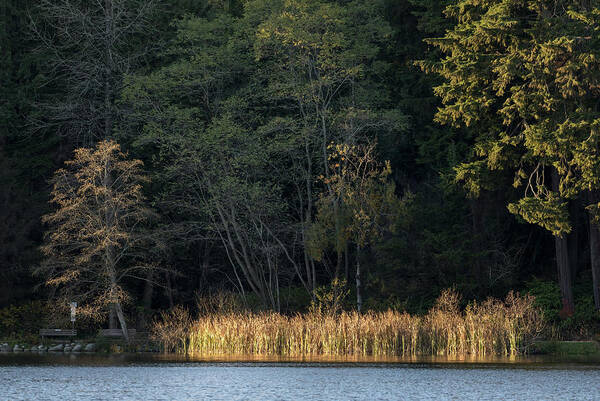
x: 359, y: 201
x: 432, y: 248
x: 551, y: 212
x: 238, y: 119
x: 231, y: 104
x: 295, y: 299
x: 585, y: 320
x: 330, y: 299
x: 547, y: 298
x: 19, y: 322
x: 526, y: 78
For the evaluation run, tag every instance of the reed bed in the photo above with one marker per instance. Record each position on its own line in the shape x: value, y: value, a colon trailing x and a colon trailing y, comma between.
x: 490, y: 328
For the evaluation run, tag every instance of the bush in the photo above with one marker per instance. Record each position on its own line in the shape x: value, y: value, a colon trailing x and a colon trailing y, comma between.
x: 330, y: 299
x: 172, y: 329
x: 19, y: 322
x: 547, y: 298
x: 584, y: 321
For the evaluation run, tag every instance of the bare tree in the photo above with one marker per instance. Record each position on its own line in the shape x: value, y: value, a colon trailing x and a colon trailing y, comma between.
x: 222, y: 178
x: 95, y: 238
x: 92, y: 44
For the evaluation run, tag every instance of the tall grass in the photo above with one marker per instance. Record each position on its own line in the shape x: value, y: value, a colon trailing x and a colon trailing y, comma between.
x: 490, y: 328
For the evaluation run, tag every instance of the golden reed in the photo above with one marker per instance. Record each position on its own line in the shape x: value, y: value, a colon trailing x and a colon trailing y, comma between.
x: 490, y: 328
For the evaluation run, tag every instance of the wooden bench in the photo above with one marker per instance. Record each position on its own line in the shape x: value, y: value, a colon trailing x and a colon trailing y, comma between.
x: 57, y: 333
x: 115, y: 333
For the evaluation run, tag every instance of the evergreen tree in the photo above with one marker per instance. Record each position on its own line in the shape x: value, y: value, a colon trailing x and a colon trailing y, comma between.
x: 524, y: 76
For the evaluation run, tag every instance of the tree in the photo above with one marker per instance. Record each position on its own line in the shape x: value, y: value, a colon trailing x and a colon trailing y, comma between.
x: 224, y: 182
x: 238, y: 114
x: 524, y: 75
x: 92, y: 45
x: 26, y: 161
x: 215, y: 166
x: 361, y: 190
x: 96, y: 240
x: 324, y: 63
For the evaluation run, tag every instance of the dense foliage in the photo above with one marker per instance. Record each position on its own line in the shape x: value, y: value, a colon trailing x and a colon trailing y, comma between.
x: 399, y: 146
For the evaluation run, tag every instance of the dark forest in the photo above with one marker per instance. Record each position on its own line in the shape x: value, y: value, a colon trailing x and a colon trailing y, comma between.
x: 278, y: 154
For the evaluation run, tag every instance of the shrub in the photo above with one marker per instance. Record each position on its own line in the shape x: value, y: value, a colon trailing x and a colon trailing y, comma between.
x: 547, y: 298
x: 23, y: 321
x: 330, y: 299
x: 584, y: 321
x: 171, y: 329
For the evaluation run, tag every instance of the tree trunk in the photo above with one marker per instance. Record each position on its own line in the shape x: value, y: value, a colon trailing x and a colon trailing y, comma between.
x: 595, y: 251
x: 148, y: 291
x: 358, y: 283
x: 108, y: 39
x: 477, y: 245
x: 564, y: 276
x: 314, y: 276
x: 562, y: 264
x: 595, y: 261
x: 169, y: 290
x: 116, y: 304
x: 338, y: 247
x: 310, y: 264
x: 112, y: 322
x: 144, y: 313
x: 277, y: 293
x: 573, y: 238
x: 110, y: 260
x: 121, y: 317
x: 346, y: 262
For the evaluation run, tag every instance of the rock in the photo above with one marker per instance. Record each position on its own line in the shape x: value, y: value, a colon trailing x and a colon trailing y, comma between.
x: 77, y: 348
x: 91, y: 347
x: 17, y: 348
x: 56, y: 348
x: 67, y: 348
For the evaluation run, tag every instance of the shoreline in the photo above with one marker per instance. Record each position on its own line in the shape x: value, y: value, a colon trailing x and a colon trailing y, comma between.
x: 542, y: 348
x: 128, y: 358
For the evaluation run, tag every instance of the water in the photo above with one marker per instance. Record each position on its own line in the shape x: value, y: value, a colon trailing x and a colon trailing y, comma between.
x: 135, y: 377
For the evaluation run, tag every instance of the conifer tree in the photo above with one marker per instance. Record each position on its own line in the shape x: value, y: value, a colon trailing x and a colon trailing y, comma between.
x: 525, y: 76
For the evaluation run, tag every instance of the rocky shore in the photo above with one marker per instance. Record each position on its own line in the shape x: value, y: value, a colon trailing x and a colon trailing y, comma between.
x: 66, y: 348
x: 75, y: 348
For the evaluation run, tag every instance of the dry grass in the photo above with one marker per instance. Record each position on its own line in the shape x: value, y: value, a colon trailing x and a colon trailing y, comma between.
x: 172, y: 329
x: 490, y: 328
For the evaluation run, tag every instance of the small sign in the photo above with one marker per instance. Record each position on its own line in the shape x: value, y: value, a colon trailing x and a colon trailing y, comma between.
x: 73, y: 311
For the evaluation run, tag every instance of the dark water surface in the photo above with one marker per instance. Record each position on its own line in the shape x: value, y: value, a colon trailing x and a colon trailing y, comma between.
x: 160, y: 377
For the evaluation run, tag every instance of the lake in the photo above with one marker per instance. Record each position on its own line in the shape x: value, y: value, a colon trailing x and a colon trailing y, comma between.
x: 167, y: 377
